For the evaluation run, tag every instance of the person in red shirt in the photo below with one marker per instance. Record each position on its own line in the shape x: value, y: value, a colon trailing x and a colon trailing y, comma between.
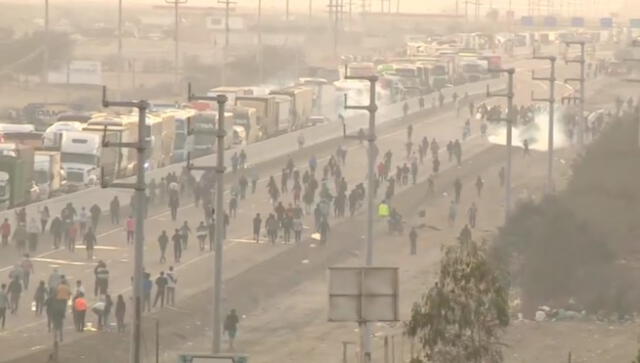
x: 131, y: 228
x: 72, y: 233
x: 5, y: 231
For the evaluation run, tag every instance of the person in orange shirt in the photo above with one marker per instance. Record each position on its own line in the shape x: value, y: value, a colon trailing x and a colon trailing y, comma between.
x: 79, y: 312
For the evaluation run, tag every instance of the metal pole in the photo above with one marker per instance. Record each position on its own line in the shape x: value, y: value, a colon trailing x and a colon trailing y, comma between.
x: 287, y: 11
x: 45, y: 50
x: 139, y: 247
x: 386, y: 349
x: 260, y: 48
x: 582, y: 95
x: 140, y: 206
x: 551, y: 100
x: 372, y: 108
x: 509, y: 119
x: 157, y: 341
x: 217, y: 278
x: 509, y: 142
x: 310, y: 9
x: 176, y: 56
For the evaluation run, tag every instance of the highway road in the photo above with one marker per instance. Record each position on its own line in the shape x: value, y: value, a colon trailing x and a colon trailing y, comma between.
x: 26, y: 334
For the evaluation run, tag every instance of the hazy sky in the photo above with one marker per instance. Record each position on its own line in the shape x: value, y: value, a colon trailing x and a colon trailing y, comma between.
x: 581, y: 7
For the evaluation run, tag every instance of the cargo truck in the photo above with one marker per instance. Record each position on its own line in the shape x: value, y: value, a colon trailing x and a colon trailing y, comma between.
x: 301, y: 102
x: 16, y: 170
x: 266, y: 115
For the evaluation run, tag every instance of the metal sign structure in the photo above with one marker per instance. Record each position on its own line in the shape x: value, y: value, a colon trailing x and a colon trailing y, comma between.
x: 363, y: 294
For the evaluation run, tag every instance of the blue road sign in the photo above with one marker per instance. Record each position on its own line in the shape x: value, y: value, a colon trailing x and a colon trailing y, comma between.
x: 606, y: 22
x: 577, y: 22
x: 526, y: 21
x: 550, y: 21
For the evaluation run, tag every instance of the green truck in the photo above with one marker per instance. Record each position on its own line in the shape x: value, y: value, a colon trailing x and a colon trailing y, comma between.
x: 16, y: 175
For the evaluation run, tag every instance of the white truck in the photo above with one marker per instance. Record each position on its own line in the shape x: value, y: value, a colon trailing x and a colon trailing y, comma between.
x: 80, y: 157
x: 47, y: 173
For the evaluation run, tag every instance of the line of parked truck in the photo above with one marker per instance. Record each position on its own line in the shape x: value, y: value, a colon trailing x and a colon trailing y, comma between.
x: 60, y: 149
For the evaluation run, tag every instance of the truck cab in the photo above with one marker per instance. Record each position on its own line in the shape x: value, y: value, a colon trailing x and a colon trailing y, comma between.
x: 80, y: 154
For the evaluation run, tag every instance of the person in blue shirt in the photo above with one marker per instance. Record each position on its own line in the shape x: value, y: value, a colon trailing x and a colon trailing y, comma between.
x: 147, y: 285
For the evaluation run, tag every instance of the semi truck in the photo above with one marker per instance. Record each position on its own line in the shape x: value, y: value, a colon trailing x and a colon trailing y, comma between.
x: 16, y: 170
x: 81, y: 157
x: 266, y: 115
x: 301, y: 102
x: 47, y: 173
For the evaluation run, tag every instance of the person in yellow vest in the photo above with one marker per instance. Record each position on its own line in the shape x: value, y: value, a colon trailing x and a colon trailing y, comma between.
x: 383, y: 209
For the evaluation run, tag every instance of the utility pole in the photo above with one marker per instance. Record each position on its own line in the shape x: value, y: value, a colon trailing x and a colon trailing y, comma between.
x: 45, y: 49
x: 120, y: 46
x: 372, y: 108
x: 287, y: 11
x: 140, y: 205
x: 509, y: 119
x: 581, y: 80
x: 335, y: 8
x: 176, y: 54
x: 220, y: 133
x: 551, y: 100
x: 310, y: 9
x: 227, y: 4
x: 260, y: 48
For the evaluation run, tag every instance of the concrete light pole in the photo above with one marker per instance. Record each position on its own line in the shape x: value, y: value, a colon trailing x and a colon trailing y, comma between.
x: 220, y: 133
x: 551, y: 100
x: 140, y: 205
x: 581, y: 80
x: 509, y: 119
x: 372, y: 108
x: 176, y: 35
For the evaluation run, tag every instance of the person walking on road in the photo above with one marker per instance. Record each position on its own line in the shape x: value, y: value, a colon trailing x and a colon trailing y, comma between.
x: 131, y: 228
x: 457, y: 186
x: 501, y: 175
x: 121, y: 309
x: 4, y: 304
x: 14, y: 290
x: 185, y: 231
x: 172, y: 281
x: 231, y: 326
x: 163, y: 242
x: 525, y: 146
x: 27, y: 270
x: 472, y: 214
x: 79, y: 312
x: 56, y: 231
x: 174, y: 203
x: 147, y: 286
x: 177, y: 246
x: 201, y: 234
x: 161, y: 285
x: 44, y: 218
x: 114, y: 210
x: 95, y: 211
x: 413, y: 239
x: 20, y: 238
x: 39, y: 298
x: 5, y: 231
x: 257, y: 223
x: 90, y: 242
x: 453, y: 212
x: 479, y: 185
x: 300, y: 141
x: 101, y: 274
